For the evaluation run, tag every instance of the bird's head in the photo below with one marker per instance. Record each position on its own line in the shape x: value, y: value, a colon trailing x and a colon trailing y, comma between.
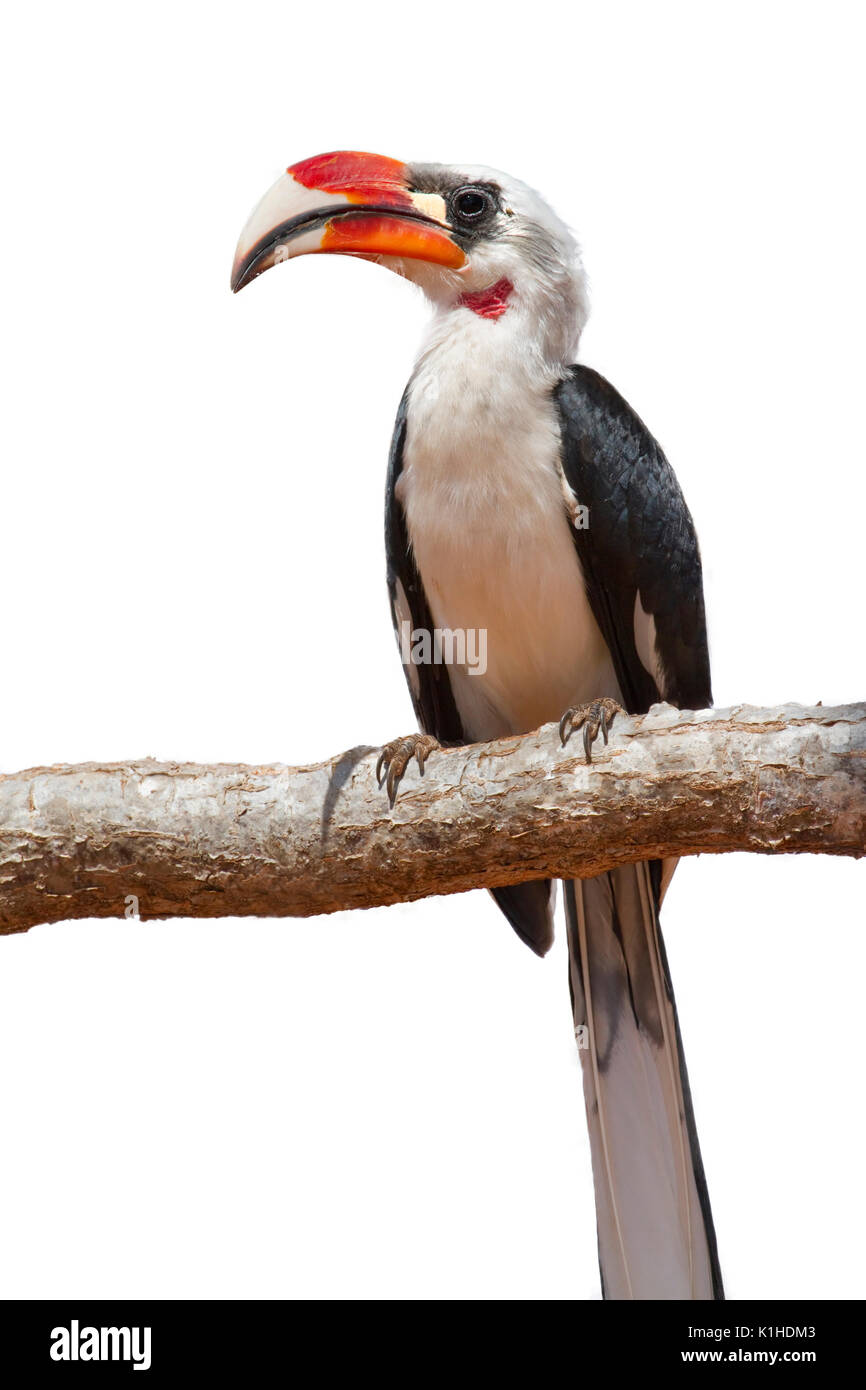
x: 474, y: 240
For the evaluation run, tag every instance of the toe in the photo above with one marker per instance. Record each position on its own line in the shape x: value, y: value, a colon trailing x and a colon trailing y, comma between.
x: 396, y: 770
x: 590, y: 734
x: 423, y: 749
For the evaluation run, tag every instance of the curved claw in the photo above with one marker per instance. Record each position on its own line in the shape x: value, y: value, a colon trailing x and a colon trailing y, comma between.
x: 609, y: 710
x: 395, y: 772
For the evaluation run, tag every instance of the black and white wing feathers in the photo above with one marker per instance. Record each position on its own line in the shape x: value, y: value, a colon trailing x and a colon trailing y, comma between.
x: 639, y: 552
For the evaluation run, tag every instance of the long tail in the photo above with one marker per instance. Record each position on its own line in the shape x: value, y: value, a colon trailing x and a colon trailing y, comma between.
x: 655, y: 1229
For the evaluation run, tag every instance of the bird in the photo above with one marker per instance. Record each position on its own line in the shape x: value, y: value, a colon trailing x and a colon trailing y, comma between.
x: 525, y: 499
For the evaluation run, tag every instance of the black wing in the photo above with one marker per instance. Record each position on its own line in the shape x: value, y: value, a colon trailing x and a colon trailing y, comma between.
x: 640, y: 541
x: 528, y: 906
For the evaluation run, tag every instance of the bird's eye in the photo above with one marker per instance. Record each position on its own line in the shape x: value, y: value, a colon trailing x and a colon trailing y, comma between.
x: 471, y: 204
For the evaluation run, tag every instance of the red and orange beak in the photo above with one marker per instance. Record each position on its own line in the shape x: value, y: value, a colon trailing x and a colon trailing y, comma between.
x: 356, y: 204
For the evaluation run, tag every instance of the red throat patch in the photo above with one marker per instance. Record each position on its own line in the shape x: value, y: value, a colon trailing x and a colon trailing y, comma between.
x: 490, y: 303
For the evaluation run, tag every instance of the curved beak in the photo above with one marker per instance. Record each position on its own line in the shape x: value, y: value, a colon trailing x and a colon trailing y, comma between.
x: 350, y: 203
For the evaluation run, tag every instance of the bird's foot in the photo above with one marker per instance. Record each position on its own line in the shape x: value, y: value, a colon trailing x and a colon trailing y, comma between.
x: 396, y: 756
x: 594, y: 718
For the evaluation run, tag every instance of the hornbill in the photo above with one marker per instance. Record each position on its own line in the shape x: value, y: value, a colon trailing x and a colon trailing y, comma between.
x: 526, y: 498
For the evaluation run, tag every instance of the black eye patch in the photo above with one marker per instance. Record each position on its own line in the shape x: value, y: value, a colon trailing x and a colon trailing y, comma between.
x: 472, y: 206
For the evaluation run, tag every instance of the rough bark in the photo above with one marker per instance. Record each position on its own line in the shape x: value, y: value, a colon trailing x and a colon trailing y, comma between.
x: 226, y: 840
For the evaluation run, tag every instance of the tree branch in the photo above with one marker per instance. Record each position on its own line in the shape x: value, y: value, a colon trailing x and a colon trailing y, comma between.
x: 196, y: 841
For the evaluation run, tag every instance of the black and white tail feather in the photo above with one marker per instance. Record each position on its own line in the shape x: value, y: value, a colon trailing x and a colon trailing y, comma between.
x: 655, y: 1231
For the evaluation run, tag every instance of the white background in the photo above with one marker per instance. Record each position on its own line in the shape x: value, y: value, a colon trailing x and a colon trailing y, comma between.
x: 390, y: 1103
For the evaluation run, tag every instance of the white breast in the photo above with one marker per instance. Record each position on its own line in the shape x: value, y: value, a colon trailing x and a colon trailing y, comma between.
x: 482, y: 493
